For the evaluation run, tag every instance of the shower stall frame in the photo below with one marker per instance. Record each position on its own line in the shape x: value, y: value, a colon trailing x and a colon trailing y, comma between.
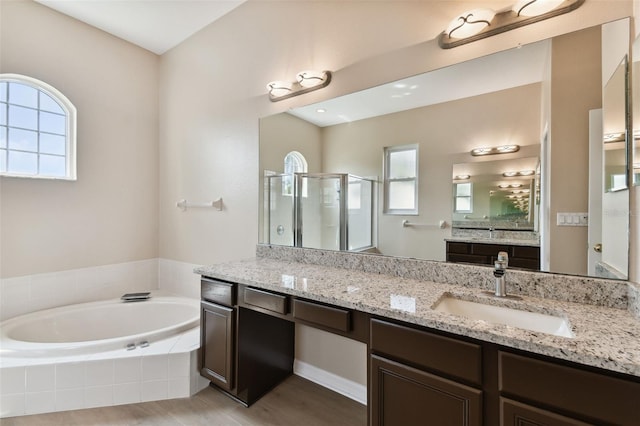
x: 298, y: 227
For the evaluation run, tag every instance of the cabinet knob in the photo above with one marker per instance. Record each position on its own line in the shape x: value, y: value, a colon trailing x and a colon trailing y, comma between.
x: 598, y: 248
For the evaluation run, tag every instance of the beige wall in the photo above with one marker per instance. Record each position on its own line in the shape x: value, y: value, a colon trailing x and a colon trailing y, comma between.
x: 110, y: 214
x: 576, y: 84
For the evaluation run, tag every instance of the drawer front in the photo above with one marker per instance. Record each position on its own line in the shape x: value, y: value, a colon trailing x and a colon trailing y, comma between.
x: 217, y: 291
x: 489, y: 249
x: 458, y: 359
x: 467, y: 258
x: 526, y: 252
x: 584, y: 393
x: 263, y: 299
x: 462, y: 248
x: 336, y: 318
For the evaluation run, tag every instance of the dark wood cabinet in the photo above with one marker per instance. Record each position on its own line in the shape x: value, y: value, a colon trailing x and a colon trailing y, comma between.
x: 217, y: 354
x: 244, y: 352
x: 513, y: 413
x: 418, y: 373
x: 404, y: 395
x: 524, y: 257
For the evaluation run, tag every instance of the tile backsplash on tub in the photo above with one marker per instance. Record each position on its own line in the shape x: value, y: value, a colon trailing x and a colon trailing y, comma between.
x: 21, y: 295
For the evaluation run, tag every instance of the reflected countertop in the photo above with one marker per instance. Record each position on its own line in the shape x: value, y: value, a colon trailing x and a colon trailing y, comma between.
x: 505, y: 241
x: 604, y: 337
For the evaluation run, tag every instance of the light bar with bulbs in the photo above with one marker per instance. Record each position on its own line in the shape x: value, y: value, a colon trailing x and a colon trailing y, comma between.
x: 482, y: 23
x: 306, y: 81
x: 504, y: 149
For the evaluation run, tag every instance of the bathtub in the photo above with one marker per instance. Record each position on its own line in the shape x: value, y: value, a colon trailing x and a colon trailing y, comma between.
x: 100, y: 354
x: 97, y: 326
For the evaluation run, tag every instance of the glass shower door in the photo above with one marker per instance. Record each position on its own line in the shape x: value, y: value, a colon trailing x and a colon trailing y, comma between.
x: 281, y: 210
x: 320, y: 223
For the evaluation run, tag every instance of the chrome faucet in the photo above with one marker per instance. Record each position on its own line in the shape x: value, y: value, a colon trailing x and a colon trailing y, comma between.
x: 500, y: 268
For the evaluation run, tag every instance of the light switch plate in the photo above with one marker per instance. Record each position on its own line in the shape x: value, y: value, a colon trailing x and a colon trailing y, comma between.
x: 573, y: 219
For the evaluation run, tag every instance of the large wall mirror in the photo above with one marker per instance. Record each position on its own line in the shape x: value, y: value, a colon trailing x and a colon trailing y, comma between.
x: 539, y: 97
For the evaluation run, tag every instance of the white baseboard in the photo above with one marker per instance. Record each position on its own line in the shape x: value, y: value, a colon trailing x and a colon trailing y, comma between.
x: 346, y: 387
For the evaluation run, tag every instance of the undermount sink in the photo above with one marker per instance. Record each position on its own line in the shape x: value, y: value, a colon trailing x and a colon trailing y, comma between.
x: 532, y: 321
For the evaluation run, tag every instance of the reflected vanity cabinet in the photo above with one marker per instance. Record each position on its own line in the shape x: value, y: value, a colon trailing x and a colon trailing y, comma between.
x: 520, y: 256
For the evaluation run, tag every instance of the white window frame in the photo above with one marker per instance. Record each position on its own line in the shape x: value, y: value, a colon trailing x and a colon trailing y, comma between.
x: 387, y: 180
x: 456, y: 197
x: 70, y: 119
x: 290, y: 169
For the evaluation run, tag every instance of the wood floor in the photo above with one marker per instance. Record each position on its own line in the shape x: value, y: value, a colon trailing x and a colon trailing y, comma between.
x: 296, y: 402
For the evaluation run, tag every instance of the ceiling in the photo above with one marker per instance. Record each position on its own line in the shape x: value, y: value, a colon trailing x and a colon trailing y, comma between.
x: 155, y: 25
x: 159, y: 25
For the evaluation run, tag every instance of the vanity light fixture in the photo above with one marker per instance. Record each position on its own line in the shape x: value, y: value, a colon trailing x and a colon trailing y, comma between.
x: 520, y: 173
x: 509, y: 185
x: 504, y: 149
x: 472, y: 26
x: 462, y: 177
x: 613, y: 137
x: 470, y: 23
x: 307, y: 81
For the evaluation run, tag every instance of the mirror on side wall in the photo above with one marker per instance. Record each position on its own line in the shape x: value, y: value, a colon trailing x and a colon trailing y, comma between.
x: 635, y: 98
x: 508, y: 98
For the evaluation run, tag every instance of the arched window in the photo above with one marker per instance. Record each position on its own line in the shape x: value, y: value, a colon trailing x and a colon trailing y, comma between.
x: 294, y: 162
x: 37, y: 130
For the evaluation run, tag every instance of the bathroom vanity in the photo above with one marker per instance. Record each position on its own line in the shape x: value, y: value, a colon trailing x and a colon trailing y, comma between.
x: 424, y: 365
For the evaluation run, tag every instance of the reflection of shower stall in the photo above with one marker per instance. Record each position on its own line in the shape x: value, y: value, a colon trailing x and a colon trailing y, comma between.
x: 320, y: 210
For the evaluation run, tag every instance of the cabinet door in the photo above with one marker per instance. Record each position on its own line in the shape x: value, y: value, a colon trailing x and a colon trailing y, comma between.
x: 217, y: 344
x: 513, y: 413
x: 402, y: 395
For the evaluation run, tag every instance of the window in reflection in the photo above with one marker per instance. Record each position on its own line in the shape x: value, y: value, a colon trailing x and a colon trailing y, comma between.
x: 401, y: 179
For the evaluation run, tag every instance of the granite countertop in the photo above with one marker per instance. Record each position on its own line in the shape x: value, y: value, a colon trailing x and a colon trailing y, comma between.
x: 607, y: 338
x: 506, y: 241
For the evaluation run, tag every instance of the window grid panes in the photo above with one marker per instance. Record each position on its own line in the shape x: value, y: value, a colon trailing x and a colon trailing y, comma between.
x: 34, y: 135
x: 463, y: 197
x: 401, y: 180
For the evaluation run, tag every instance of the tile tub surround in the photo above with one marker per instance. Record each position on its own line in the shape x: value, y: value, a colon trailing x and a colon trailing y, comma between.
x: 605, y: 337
x: 163, y: 370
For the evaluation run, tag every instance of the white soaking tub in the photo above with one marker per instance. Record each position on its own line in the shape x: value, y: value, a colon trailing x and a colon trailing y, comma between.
x: 100, y: 354
x: 97, y: 326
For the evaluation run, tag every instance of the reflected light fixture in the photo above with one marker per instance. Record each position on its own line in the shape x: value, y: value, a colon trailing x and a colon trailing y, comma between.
x: 462, y: 177
x: 307, y: 81
x: 504, y: 149
x: 482, y: 23
x: 519, y: 173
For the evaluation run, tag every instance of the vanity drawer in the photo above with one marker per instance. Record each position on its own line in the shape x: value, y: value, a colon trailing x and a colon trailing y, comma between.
x: 455, y: 358
x: 584, y: 393
x: 526, y: 252
x: 327, y: 316
x: 263, y: 299
x: 462, y: 248
x: 489, y: 249
x: 216, y: 291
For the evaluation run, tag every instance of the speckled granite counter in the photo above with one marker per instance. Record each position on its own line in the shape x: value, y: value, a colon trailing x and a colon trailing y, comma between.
x: 605, y: 337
